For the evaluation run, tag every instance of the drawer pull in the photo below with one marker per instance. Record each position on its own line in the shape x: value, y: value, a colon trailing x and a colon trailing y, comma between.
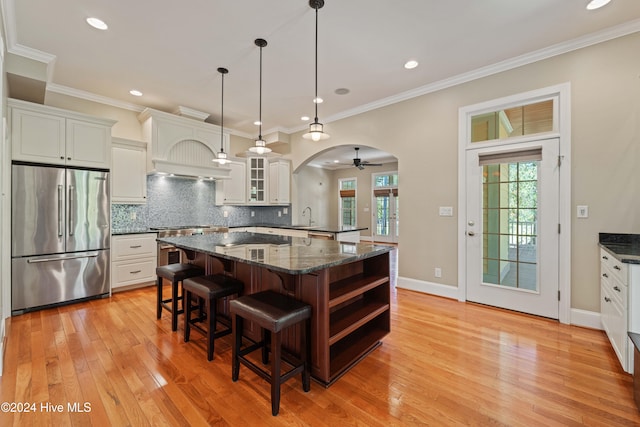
x: 135, y: 272
x: 135, y: 246
x: 616, y: 267
x: 607, y: 299
x: 605, y: 275
x: 604, y: 257
x: 615, y: 288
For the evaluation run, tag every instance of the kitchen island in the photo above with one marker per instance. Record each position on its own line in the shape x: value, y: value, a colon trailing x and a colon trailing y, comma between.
x: 345, y: 233
x: 346, y: 284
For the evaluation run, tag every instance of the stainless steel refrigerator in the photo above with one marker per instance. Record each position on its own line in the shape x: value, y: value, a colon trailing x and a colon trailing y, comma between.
x: 60, y: 235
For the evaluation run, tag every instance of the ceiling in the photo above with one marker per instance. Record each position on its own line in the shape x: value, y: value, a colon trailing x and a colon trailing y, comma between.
x: 170, y: 50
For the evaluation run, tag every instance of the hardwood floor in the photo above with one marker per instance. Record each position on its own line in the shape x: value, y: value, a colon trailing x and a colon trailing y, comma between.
x: 444, y: 363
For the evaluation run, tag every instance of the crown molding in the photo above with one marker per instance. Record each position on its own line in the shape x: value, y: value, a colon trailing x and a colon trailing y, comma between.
x: 509, y: 64
x: 89, y: 96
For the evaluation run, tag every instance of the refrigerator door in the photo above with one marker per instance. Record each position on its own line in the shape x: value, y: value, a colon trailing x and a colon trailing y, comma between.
x: 88, y: 212
x: 37, y: 210
x: 52, y: 279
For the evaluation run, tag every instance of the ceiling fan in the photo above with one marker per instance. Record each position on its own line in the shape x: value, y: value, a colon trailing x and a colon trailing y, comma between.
x: 360, y: 164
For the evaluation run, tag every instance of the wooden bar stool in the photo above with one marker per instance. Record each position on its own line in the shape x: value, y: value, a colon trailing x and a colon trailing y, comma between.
x: 273, y: 312
x: 209, y: 289
x: 175, y: 273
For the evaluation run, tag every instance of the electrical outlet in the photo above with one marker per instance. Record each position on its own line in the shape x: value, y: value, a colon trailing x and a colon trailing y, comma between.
x: 253, y: 214
x: 279, y: 213
x: 225, y: 214
x: 285, y: 211
x: 438, y: 272
x: 134, y: 216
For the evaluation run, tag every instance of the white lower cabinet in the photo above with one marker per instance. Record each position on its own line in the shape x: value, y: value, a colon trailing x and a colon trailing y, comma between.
x: 134, y: 260
x: 619, y: 305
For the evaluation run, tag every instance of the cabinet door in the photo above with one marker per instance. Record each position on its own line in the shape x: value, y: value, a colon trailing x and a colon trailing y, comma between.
x: 88, y: 144
x: 37, y: 137
x: 235, y: 188
x: 128, y: 175
x: 279, y: 182
x: 257, y: 180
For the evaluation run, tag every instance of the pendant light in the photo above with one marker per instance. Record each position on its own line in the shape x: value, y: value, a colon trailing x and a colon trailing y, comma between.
x: 315, y: 129
x: 222, y: 156
x: 261, y: 145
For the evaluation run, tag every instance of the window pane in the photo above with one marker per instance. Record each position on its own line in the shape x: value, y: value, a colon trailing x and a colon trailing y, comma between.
x: 512, y: 122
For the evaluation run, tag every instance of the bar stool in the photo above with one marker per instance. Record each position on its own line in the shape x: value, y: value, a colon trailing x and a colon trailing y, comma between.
x: 174, y: 273
x: 273, y: 312
x: 208, y: 288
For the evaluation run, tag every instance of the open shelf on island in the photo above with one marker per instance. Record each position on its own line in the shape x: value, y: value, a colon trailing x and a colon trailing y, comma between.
x: 346, y: 289
x: 353, y: 316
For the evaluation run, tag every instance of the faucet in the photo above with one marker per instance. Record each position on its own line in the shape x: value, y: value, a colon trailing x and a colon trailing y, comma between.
x: 305, y: 209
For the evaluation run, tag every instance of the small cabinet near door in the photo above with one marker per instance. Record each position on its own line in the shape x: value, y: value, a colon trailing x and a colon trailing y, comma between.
x: 128, y: 171
x: 279, y: 181
x: 43, y: 134
x: 134, y: 260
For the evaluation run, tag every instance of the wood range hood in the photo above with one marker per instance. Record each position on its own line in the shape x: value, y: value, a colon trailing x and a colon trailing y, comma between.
x: 182, y: 145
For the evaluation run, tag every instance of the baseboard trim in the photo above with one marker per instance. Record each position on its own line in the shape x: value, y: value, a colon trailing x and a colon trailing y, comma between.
x: 428, y: 287
x: 582, y: 318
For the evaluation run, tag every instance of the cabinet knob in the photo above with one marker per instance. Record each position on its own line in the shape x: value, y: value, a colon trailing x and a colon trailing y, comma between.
x: 61, y: 157
x: 68, y: 158
x: 607, y: 299
x: 616, y: 267
x: 604, y: 257
x: 615, y: 288
x: 605, y: 275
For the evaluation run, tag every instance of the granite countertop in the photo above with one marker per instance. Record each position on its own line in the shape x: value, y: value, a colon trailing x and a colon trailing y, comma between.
x: 624, y: 247
x: 292, y: 255
x: 124, y: 231
x: 321, y: 228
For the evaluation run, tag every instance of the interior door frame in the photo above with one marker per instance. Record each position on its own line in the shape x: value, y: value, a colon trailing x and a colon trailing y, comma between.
x: 561, y: 95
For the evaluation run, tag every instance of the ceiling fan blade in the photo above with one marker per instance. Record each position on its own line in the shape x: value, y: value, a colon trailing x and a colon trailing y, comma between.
x: 365, y: 163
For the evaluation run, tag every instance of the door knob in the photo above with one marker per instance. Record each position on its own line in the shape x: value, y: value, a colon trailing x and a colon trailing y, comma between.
x: 471, y: 233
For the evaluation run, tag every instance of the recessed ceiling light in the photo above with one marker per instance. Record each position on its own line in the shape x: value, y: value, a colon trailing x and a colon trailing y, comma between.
x: 597, y: 4
x: 304, y: 118
x: 97, y: 23
x: 336, y: 161
x: 135, y: 92
x: 411, y: 64
x: 257, y: 123
x: 342, y: 91
x: 318, y: 100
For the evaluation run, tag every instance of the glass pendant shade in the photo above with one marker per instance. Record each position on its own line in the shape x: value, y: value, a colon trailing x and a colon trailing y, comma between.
x: 221, y: 158
x: 315, y: 132
x: 260, y: 147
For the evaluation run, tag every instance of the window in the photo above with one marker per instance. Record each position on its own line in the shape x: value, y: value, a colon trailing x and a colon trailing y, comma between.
x: 347, y: 188
x: 512, y: 122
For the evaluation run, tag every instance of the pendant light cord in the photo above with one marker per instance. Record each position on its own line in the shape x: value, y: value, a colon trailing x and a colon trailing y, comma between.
x: 260, y: 103
x: 316, y: 99
x: 222, y: 117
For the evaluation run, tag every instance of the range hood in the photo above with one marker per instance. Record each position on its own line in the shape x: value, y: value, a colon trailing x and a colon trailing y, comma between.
x: 182, y: 146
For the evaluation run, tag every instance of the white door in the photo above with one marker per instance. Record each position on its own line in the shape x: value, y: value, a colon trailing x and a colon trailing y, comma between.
x: 386, y: 215
x: 512, y: 227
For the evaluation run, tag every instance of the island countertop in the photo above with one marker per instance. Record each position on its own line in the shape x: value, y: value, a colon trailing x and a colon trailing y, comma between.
x: 292, y: 255
x: 321, y: 228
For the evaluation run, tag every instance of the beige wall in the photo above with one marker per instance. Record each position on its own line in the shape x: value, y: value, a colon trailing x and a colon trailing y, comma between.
x: 423, y: 135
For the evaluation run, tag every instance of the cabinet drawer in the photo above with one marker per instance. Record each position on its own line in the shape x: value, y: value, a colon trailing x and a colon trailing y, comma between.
x: 133, y: 246
x: 618, y: 269
x: 133, y: 272
x: 614, y: 287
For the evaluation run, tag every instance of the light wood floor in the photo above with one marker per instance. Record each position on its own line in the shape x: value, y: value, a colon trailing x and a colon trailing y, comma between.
x: 444, y: 363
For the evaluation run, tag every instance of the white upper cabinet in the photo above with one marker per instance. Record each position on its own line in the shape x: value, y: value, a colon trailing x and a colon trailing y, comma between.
x: 43, y: 134
x: 279, y: 181
x: 128, y: 171
x: 257, y: 180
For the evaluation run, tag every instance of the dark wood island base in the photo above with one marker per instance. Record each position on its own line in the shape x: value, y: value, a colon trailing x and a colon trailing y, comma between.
x: 346, y: 284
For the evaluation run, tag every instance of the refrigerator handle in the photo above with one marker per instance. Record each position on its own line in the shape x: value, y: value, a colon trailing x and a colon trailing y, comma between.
x: 65, y: 258
x: 71, y: 209
x: 60, y: 210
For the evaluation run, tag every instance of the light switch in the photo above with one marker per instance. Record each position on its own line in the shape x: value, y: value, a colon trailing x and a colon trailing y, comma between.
x: 582, y: 211
x: 446, y: 210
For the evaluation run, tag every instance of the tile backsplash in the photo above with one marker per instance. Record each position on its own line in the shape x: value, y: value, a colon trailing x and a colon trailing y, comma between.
x: 173, y: 201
